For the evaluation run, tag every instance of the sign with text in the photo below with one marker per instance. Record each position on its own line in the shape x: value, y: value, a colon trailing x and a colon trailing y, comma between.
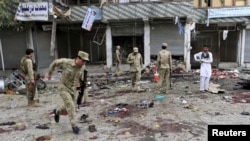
x: 32, y: 11
x: 98, y: 11
x: 228, y: 12
x: 89, y: 19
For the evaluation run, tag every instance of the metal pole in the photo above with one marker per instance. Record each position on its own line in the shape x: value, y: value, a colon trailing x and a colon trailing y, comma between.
x: 35, y: 46
x: 187, y: 46
x: 1, y: 51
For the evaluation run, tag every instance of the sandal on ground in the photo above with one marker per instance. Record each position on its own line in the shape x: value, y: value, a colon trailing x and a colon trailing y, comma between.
x: 92, y: 128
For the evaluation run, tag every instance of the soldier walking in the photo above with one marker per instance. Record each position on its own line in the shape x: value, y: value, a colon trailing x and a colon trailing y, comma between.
x: 71, y: 70
x: 135, y: 61
x: 164, y: 67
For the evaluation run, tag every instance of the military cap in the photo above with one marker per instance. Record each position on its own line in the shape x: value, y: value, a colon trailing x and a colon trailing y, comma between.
x: 164, y: 44
x: 135, y: 49
x: 83, y: 55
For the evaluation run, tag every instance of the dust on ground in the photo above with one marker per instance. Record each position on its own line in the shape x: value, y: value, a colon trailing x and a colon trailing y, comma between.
x: 120, y: 113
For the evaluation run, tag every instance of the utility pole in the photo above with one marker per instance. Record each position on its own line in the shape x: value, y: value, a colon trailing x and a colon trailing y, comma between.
x: 189, y: 26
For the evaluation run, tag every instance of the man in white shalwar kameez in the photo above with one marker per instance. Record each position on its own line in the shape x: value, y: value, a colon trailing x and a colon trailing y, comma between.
x: 205, y: 58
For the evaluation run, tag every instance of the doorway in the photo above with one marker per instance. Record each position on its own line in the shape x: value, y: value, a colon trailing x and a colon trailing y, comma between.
x: 127, y: 43
x: 201, y: 39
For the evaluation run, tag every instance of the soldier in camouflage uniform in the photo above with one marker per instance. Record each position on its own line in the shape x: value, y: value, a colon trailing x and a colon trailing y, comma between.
x: 28, y: 69
x: 118, y: 60
x: 164, y: 67
x: 71, y: 70
x: 135, y: 61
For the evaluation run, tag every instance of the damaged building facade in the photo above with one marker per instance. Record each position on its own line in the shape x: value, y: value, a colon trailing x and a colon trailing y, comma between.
x: 145, y: 24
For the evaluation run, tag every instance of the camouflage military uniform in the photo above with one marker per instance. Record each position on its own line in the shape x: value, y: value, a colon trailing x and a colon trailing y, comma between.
x: 68, y: 85
x: 27, y: 68
x: 135, y: 61
x: 118, y: 60
x: 164, y: 67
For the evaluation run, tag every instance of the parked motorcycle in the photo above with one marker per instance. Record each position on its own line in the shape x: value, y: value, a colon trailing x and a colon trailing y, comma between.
x: 16, y: 82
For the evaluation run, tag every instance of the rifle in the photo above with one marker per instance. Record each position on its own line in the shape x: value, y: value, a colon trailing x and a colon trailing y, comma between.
x: 32, y: 87
x: 82, y: 88
x: 170, y: 78
x: 32, y: 90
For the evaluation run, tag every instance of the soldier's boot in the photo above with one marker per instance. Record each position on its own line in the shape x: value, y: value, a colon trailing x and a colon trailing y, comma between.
x: 76, y: 129
x: 133, y: 87
x: 56, y: 116
x: 35, y: 104
x: 157, y: 90
x: 139, y: 89
x: 29, y: 103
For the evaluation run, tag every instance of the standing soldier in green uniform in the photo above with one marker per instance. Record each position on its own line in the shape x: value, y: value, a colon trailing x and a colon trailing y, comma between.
x: 118, y: 60
x: 164, y: 67
x: 135, y: 61
x: 28, y: 69
x: 71, y: 70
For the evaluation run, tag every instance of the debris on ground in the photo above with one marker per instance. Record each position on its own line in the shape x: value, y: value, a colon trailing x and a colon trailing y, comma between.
x: 119, y: 113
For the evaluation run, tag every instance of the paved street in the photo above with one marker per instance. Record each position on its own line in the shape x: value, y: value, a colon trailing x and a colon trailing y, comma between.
x: 114, y: 108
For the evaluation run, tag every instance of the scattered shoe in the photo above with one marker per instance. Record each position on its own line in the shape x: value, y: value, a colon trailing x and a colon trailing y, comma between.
x: 43, y: 126
x: 7, y: 123
x: 92, y: 128
x: 245, y: 113
x: 202, y: 91
x: 151, y: 104
x: 76, y: 129
x: 56, y: 116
